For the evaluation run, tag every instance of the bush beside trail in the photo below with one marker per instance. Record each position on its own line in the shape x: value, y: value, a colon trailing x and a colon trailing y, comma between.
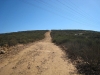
x: 82, y: 47
x: 24, y: 37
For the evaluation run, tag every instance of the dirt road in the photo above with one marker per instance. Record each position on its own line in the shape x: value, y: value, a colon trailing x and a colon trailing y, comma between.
x: 41, y: 58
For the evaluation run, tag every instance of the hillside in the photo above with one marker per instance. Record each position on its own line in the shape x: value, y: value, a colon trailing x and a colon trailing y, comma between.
x: 13, y: 43
x: 23, y: 37
x: 40, y: 58
x: 58, y: 52
x: 82, y: 47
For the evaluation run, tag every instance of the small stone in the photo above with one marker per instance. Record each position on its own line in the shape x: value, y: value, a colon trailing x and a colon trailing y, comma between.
x: 37, y: 66
x: 13, y: 67
x: 2, y: 52
x: 28, y: 67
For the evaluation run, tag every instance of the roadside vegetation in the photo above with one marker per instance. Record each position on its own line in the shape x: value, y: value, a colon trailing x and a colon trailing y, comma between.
x: 23, y: 37
x: 82, y: 47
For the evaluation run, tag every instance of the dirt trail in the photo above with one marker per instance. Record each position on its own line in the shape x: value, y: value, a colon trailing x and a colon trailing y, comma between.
x: 42, y: 58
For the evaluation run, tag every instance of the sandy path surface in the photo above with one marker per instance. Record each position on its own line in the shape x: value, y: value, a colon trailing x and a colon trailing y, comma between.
x: 42, y: 58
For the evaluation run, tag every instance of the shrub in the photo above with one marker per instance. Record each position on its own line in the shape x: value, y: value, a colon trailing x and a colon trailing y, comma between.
x: 80, y: 44
x: 23, y: 37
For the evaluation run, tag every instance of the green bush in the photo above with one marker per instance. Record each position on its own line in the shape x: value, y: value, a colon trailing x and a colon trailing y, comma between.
x: 83, y: 45
x: 24, y: 37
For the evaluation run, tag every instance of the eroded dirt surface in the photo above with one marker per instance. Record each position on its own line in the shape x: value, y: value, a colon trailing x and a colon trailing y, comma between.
x: 41, y: 58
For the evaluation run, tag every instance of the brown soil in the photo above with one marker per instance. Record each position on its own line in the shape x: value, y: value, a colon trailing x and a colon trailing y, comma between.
x: 41, y: 58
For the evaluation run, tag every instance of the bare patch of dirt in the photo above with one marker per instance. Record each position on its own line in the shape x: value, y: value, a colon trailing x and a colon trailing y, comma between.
x: 41, y: 58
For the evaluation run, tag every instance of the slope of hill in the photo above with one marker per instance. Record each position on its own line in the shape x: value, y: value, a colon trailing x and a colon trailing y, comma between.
x: 40, y: 58
x: 12, y: 39
x: 82, y: 47
x: 12, y: 43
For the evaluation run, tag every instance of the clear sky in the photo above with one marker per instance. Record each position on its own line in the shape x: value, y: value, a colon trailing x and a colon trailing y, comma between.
x: 21, y: 15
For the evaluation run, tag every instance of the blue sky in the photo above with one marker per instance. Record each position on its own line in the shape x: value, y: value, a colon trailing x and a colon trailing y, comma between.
x: 21, y: 15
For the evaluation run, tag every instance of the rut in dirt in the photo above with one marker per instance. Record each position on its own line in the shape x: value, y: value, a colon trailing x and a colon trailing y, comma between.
x: 41, y: 58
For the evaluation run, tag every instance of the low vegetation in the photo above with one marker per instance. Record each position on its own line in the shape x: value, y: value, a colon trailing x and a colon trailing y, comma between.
x: 82, y: 47
x: 24, y: 37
